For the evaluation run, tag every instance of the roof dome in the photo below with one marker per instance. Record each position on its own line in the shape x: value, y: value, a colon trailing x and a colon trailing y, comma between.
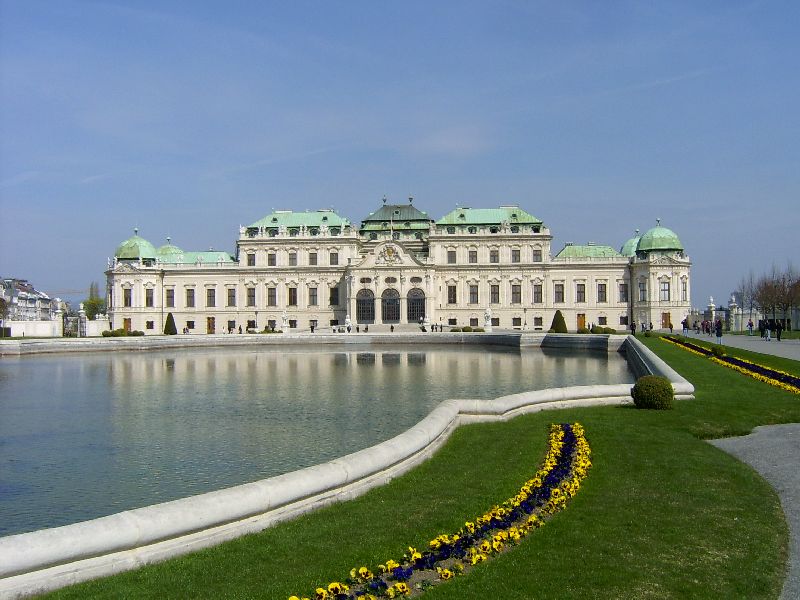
x: 168, y: 249
x: 629, y: 247
x: 135, y: 247
x: 659, y: 238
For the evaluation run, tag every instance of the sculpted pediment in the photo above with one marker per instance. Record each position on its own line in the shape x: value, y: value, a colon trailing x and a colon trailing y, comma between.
x: 388, y: 254
x: 126, y: 268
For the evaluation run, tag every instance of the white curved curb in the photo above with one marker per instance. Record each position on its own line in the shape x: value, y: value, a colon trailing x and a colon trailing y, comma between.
x: 44, y: 560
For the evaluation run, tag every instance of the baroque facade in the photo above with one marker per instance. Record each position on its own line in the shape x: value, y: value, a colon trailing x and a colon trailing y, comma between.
x: 304, y: 270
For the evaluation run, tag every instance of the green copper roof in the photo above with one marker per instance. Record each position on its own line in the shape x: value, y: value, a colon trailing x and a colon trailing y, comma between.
x: 134, y: 248
x: 488, y: 216
x: 168, y: 249
x: 587, y: 251
x: 629, y: 247
x: 289, y: 218
x: 190, y: 258
x: 659, y: 238
x: 396, y: 216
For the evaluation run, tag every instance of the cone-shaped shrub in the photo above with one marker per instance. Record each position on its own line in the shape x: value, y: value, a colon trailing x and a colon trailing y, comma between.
x: 559, y: 324
x: 169, y: 326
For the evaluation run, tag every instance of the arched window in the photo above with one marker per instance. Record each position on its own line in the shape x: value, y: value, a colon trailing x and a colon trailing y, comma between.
x: 365, y: 307
x: 390, y: 306
x: 416, y: 305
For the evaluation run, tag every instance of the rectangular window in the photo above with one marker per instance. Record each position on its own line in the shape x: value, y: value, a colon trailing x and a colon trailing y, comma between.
x: 251, y: 296
x: 211, y: 297
x: 148, y: 297
x: 251, y: 324
x: 189, y: 324
x: 312, y: 296
x: 334, y: 297
x: 494, y: 256
x: 271, y: 260
x: 452, y: 321
x: 272, y: 296
x: 602, y: 321
x: 537, y: 255
x: 516, y: 293
x: 292, y: 323
x: 190, y: 298
x: 312, y: 258
x: 623, y: 292
x: 580, y: 292
x: 170, y: 298
x: 558, y: 293
x: 538, y: 321
x: 623, y: 319
x: 473, y: 322
x: 685, y: 291
x: 642, y: 291
x: 292, y: 259
x: 537, y: 293
x: 251, y: 259
x: 516, y: 321
x: 127, y: 297
x: 495, y: 321
x: 494, y: 294
x: 231, y: 296
x: 473, y: 294
x: 601, y: 292
x: 451, y: 294
x: 473, y: 256
x: 664, y: 296
x: 451, y: 257
x: 150, y: 325
x: 515, y: 256
x: 334, y: 259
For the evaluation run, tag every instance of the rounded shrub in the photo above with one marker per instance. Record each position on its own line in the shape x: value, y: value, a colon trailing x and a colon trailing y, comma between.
x: 466, y: 329
x: 455, y: 329
x: 583, y: 330
x: 478, y: 329
x: 653, y: 391
x: 717, y: 350
x: 609, y: 330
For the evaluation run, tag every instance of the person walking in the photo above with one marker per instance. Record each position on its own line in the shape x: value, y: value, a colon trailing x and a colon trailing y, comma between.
x: 778, y: 330
x: 633, y: 328
x: 685, y: 324
x: 750, y: 327
x: 767, y: 332
x: 718, y: 330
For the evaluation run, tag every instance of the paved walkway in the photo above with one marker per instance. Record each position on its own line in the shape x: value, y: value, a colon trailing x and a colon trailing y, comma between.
x: 784, y: 348
x: 774, y: 451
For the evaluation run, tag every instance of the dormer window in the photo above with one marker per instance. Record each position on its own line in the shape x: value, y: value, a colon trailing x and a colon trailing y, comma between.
x: 473, y: 229
x: 274, y: 219
x: 462, y: 216
x: 324, y: 219
x: 451, y: 230
x: 373, y: 236
x: 514, y: 229
x: 493, y: 230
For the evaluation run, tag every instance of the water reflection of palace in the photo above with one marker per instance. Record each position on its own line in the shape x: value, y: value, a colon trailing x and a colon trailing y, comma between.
x: 298, y: 270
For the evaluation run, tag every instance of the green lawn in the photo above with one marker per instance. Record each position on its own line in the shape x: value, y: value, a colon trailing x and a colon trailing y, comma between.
x: 663, y: 514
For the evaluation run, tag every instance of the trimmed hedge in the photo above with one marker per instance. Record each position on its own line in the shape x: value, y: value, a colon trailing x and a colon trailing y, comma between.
x: 559, y: 324
x: 654, y: 392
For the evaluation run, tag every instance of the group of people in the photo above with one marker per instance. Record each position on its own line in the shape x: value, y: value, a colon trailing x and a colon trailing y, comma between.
x: 766, y: 329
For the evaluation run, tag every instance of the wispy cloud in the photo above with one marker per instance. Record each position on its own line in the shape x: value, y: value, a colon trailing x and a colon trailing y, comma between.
x: 654, y: 83
x: 265, y: 162
x: 457, y: 142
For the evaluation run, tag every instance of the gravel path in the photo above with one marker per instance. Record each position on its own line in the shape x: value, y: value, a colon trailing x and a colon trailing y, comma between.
x: 774, y: 451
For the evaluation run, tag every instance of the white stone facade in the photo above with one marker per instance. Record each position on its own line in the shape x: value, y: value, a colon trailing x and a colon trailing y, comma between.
x: 393, y: 274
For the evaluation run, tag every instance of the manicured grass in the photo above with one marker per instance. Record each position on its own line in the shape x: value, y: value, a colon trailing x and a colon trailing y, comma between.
x: 662, y: 514
x: 785, y: 335
x: 768, y: 360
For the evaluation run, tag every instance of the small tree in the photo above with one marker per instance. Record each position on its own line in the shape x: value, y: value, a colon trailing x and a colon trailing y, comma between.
x: 94, y: 305
x: 559, y: 324
x: 169, y: 326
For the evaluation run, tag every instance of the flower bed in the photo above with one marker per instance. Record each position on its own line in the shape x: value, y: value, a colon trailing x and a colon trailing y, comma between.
x: 780, y: 379
x: 449, y: 555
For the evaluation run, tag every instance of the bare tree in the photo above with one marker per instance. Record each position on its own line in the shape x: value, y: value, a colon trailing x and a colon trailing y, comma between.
x: 747, y: 293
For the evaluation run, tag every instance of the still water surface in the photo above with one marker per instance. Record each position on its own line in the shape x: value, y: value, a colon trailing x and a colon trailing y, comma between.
x: 82, y: 436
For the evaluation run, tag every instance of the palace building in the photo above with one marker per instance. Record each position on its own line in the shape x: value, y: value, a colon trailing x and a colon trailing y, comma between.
x: 303, y: 270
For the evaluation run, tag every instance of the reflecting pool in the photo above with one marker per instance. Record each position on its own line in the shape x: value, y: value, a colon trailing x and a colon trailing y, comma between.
x: 82, y: 436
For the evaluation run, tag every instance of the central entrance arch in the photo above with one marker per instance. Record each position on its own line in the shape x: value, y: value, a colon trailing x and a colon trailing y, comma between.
x: 390, y: 306
x: 415, y: 310
x: 365, y: 307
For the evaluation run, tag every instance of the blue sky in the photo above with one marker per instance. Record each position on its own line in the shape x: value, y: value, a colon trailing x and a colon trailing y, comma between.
x: 187, y: 119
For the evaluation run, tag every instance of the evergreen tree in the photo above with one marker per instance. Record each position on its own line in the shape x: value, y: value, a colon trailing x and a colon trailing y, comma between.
x: 169, y: 326
x: 94, y: 304
x: 559, y: 324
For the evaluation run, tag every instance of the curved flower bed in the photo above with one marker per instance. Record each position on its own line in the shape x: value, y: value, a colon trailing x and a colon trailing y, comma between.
x: 780, y: 379
x: 566, y: 464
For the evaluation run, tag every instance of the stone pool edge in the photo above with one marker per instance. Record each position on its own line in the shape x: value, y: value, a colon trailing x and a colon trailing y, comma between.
x: 44, y: 560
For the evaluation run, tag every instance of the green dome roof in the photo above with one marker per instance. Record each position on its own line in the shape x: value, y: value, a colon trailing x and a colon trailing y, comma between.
x: 168, y: 249
x: 629, y: 247
x: 135, y: 247
x: 659, y: 238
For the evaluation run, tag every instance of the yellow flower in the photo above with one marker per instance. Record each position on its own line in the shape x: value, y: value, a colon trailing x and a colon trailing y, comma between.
x: 445, y: 574
x: 470, y: 526
x: 337, y: 588
x: 365, y: 573
x: 391, y: 564
x: 402, y: 588
x: 320, y: 594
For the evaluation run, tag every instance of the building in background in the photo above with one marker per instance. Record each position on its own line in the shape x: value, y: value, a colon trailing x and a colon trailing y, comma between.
x: 26, y: 303
x: 474, y: 266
